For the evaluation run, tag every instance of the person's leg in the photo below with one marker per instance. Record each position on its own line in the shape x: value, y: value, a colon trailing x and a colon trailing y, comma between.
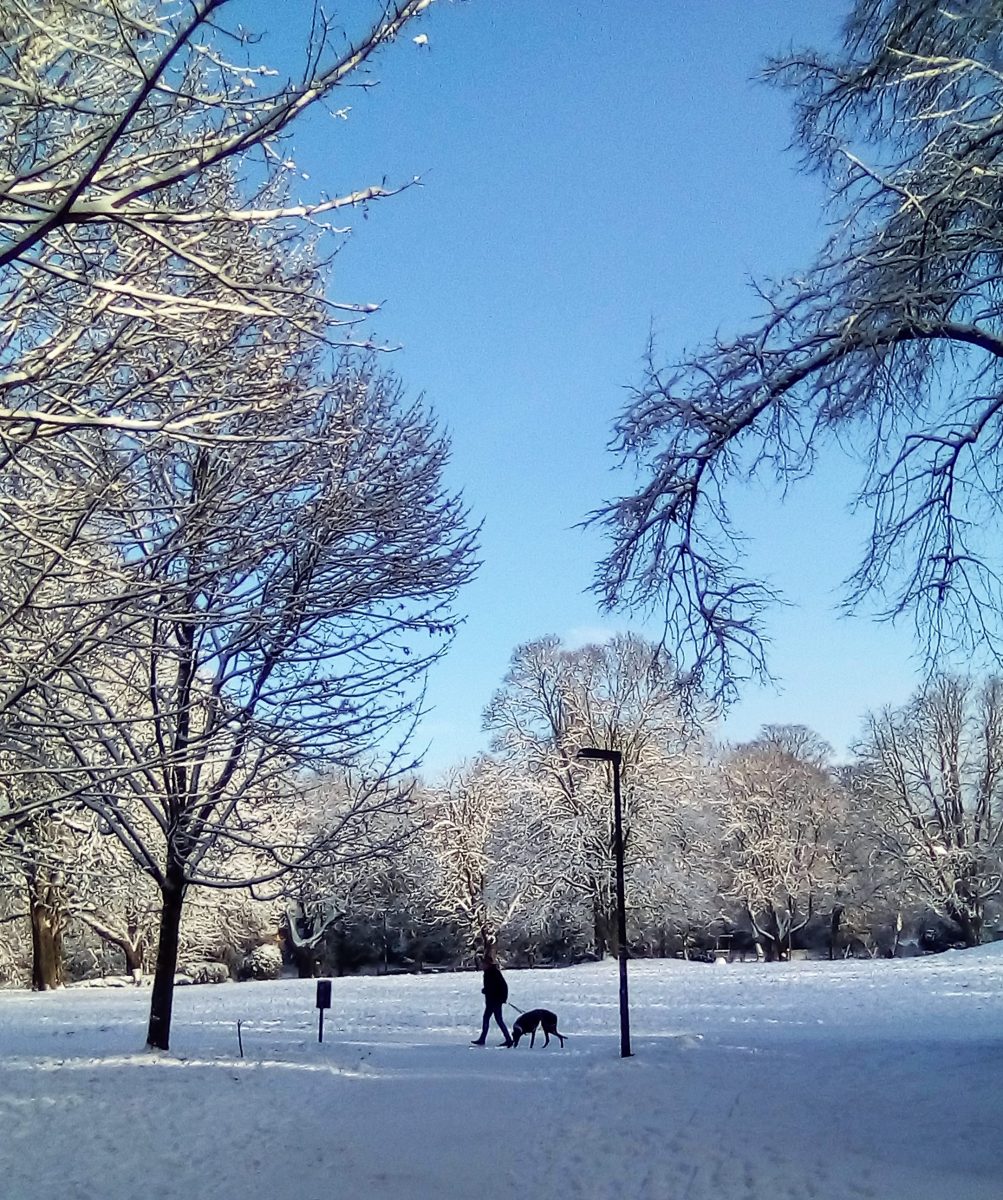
x: 484, y: 1026
x: 501, y: 1024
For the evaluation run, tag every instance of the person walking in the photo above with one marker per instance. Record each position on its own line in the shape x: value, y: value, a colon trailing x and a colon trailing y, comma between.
x: 495, y: 991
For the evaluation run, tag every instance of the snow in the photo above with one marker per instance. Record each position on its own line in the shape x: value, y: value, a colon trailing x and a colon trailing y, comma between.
x: 834, y: 1081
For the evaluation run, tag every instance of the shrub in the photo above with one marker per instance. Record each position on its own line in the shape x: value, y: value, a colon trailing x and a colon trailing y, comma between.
x: 208, y: 972
x: 263, y: 962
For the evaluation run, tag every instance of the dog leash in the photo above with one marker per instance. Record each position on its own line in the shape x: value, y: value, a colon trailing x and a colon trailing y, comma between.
x: 511, y: 1005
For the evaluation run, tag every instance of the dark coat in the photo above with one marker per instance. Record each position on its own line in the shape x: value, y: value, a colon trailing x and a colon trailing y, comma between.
x: 495, y: 988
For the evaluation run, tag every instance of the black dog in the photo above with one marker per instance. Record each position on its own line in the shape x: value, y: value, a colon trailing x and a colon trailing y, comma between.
x: 530, y: 1021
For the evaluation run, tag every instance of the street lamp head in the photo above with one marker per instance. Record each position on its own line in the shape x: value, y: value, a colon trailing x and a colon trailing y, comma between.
x: 612, y: 756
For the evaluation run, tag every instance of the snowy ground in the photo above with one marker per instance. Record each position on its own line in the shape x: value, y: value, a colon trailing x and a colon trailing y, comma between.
x: 749, y: 1082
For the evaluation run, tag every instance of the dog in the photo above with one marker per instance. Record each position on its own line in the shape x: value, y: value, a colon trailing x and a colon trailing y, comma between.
x: 529, y: 1022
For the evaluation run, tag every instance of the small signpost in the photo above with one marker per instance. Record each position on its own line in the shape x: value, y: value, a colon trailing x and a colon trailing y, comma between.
x: 323, y: 1001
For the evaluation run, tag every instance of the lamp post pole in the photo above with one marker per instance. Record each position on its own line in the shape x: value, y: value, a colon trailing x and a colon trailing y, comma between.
x: 614, y: 757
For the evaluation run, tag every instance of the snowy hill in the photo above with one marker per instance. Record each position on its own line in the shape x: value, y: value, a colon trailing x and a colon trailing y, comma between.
x: 748, y: 1082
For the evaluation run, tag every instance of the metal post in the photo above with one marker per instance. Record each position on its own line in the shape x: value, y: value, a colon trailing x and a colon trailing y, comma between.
x: 614, y: 758
x: 323, y: 1002
x: 621, y: 909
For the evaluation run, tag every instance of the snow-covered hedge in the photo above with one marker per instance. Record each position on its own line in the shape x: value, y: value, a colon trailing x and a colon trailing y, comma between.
x: 263, y: 962
x: 208, y: 972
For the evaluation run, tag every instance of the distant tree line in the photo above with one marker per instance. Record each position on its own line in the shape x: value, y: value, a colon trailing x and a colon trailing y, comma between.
x: 761, y: 849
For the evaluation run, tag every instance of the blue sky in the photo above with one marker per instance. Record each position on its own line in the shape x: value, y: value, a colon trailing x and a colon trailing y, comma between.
x: 589, y: 171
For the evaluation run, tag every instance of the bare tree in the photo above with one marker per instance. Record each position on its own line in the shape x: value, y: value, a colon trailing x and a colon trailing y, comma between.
x: 37, y: 850
x: 134, y: 134
x: 69, y: 869
x: 149, y: 238
x: 14, y: 948
x: 318, y: 904
x: 296, y: 584
x: 889, y: 344
x: 127, y: 922
x: 778, y: 816
x: 107, y: 892
x: 931, y: 775
x: 42, y: 859
x: 621, y: 695
x: 82, y: 510
x: 481, y: 867
x: 674, y: 893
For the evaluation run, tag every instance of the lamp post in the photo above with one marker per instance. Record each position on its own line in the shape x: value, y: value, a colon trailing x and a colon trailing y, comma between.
x: 614, y: 757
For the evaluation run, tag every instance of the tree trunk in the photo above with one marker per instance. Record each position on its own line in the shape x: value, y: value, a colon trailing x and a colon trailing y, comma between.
x: 134, y: 945
x: 598, y: 929
x: 834, y: 919
x: 969, y: 923
x: 162, y: 1002
x: 46, y: 936
x: 305, y: 958
x: 604, y: 927
x: 133, y: 959
x: 131, y: 943
x: 765, y: 932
